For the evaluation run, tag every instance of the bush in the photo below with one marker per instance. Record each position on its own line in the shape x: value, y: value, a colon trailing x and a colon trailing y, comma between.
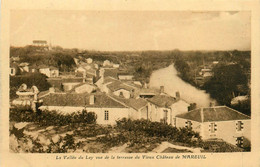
x: 156, y: 129
x: 52, y: 118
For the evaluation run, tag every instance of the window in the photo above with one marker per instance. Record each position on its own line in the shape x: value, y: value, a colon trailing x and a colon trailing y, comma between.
x: 239, y: 126
x: 212, y: 127
x: 188, y: 125
x: 106, y: 115
x: 121, y: 94
x: 165, y: 116
x: 240, y: 141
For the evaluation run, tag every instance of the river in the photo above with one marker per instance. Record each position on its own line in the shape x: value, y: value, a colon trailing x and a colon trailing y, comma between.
x: 172, y: 83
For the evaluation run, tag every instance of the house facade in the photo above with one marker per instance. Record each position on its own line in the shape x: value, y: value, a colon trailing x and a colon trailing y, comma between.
x: 107, y: 109
x: 164, y: 108
x: 218, y: 122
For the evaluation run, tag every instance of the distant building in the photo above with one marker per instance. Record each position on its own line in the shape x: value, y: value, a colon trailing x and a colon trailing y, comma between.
x: 206, y: 72
x: 24, y: 67
x: 49, y: 71
x: 40, y: 43
x: 218, y: 122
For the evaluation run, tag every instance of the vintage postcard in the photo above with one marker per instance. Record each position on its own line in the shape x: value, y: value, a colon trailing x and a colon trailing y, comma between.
x: 141, y: 83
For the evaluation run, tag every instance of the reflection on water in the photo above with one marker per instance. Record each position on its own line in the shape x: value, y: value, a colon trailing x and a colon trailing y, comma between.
x: 168, y: 78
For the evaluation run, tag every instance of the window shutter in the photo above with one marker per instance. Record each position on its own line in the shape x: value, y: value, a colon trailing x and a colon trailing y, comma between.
x: 242, y: 125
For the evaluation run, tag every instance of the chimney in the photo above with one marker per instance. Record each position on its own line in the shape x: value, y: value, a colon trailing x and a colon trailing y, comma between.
x: 84, y: 76
x: 178, y: 96
x: 161, y: 89
x: 211, y: 104
x: 145, y: 85
x: 52, y: 90
x: 192, y: 106
x: 92, y: 99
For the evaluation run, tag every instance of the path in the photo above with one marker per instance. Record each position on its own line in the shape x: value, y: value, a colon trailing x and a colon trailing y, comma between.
x: 165, y: 145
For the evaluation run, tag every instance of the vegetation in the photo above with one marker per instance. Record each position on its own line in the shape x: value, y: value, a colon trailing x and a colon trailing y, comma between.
x: 30, y: 79
x: 52, y: 118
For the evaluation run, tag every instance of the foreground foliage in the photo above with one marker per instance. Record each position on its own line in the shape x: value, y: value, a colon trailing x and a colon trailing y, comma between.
x: 52, y: 118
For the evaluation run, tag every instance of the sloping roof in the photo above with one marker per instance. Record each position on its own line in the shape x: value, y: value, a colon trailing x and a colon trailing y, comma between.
x: 212, y: 114
x: 80, y: 100
x: 109, y: 79
x: 133, y: 103
x: 162, y: 100
x: 81, y: 84
x: 117, y: 85
x: 111, y: 73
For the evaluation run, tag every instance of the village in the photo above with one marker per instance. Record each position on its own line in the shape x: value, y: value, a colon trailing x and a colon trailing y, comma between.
x: 112, y: 93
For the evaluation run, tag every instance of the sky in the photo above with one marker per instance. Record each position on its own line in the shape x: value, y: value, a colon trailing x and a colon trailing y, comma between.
x: 133, y: 30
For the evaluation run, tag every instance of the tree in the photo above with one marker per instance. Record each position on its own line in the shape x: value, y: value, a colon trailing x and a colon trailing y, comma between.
x: 226, y: 82
x: 30, y: 79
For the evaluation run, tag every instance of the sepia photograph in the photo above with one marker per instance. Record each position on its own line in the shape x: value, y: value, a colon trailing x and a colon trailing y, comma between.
x: 85, y: 81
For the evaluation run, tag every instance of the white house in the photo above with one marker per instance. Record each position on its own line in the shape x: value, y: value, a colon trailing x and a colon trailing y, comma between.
x: 24, y: 67
x: 218, y: 122
x: 106, y: 108
x: 49, y: 71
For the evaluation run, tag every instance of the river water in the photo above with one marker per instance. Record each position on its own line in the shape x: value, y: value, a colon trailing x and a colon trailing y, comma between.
x: 172, y: 83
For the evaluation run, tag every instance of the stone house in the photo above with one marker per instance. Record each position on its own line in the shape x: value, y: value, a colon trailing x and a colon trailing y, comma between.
x: 218, y: 122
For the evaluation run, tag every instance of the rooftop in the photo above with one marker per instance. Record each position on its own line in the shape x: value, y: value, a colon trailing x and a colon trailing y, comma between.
x: 212, y: 114
x: 162, y: 100
x: 80, y: 100
x: 133, y: 103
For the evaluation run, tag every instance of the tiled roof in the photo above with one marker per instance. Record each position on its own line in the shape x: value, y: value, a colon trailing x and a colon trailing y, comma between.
x: 80, y: 100
x: 162, y: 100
x: 133, y: 103
x: 109, y: 79
x: 81, y: 84
x: 111, y: 73
x: 114, y: 86
x: 212, y: 114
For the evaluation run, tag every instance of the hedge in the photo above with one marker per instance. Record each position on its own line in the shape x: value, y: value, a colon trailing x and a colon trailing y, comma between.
x: 52, y: 118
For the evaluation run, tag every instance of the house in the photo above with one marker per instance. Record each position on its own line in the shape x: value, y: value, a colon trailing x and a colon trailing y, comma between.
x: 121, y: 89
x: 24, y: 67
x: 218, y: 122
x: 164, y: 108
x: 138, y: 108
x: 107, y: 63
x: 206, y: 72
x: 89, y: 60
x: 106, y: 108
x: 54, y: 72
x: 49, y: 71
x: 87, y: 69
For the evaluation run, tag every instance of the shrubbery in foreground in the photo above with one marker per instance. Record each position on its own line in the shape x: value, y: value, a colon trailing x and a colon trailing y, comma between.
x: 52, y: 118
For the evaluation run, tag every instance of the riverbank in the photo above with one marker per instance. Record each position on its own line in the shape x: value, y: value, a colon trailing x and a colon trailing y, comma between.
x: 172, y: 83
